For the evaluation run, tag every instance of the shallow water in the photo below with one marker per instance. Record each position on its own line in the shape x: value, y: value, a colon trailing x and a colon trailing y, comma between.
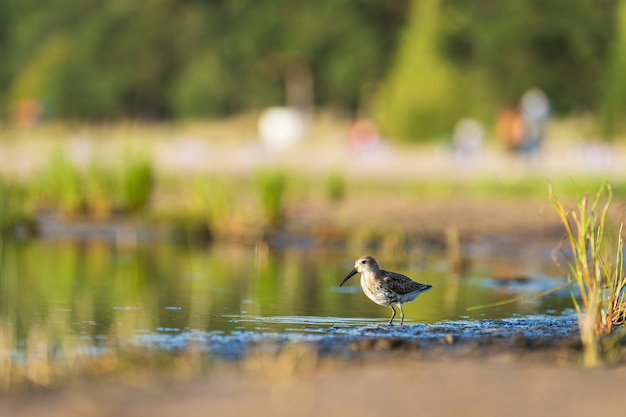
x: 169, y: 295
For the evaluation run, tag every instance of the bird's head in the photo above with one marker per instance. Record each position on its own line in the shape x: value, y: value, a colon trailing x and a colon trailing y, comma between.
x: 361, y: 265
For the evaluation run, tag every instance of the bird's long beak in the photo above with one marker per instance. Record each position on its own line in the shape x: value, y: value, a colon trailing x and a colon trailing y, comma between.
x: 354, y: 271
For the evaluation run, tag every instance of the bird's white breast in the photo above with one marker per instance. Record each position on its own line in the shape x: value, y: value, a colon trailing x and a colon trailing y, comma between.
x: 374, y: 296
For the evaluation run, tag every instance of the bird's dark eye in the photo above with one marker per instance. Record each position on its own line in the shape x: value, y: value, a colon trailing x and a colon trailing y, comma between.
x: 363, y: 261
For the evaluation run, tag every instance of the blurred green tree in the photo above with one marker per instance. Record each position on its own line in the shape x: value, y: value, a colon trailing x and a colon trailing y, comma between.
x: 452, y: 47
x: 109, y: 60
x: 520, y: 44
x: 614, y: 84
x: 426, y: 92
x: 94, y: 60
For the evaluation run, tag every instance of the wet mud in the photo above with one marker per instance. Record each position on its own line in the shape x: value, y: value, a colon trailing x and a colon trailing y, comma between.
x: 348, y: 339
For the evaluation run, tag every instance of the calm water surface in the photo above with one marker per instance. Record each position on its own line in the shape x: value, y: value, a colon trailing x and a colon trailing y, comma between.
x: 95, y: 290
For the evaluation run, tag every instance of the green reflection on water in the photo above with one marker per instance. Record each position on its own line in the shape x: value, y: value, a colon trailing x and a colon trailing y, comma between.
x: 99, y: 290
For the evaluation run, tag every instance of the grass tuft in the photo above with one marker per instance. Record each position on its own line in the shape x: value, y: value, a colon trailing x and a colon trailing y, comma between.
x: 98, y: 189
x: 271, y: 187
x: 596, y: 268
x: 335, y: 185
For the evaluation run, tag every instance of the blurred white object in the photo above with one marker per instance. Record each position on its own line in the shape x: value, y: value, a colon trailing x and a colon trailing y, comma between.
x: 468, y: 137
x: 281, y: 127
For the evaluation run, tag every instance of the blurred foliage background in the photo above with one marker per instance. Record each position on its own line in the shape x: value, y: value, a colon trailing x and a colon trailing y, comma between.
x: 415, y: 66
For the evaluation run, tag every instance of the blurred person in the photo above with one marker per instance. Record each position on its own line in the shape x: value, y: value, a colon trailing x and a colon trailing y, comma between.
x: 27, y: 112
x: 534, y: 108
x: 363, y: 135
x: 509, y: 128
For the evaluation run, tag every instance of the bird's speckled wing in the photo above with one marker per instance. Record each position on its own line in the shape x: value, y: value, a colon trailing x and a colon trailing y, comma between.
x: 401, y: 284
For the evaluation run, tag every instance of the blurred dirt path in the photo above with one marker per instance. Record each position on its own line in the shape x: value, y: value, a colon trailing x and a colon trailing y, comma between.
x: 412, y: 215
x: 184, y: 150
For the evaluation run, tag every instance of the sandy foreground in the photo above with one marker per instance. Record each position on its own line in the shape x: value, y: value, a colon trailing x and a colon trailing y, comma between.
x: 495, y: 386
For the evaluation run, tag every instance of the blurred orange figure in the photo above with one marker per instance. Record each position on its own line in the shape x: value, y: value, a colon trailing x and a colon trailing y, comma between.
x: 27, y: 112
x: 510, y: 128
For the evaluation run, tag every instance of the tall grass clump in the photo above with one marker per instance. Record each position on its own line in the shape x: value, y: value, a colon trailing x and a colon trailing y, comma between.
x: 98, y: 189
x: 12, y: 205
x: 212, y: 202
x: 271, y: 187
x: 60, y: 184
x: 136, y: 182
x: 335, y: 186
x: 596, y: 267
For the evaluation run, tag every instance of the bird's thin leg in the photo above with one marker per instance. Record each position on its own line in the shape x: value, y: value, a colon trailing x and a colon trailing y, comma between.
x: 401, y: 315
x: 393, y: 315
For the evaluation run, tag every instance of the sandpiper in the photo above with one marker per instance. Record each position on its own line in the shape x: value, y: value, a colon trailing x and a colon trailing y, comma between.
x: 386, y: 288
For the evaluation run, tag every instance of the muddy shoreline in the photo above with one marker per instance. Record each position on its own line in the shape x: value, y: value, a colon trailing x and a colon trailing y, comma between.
x: 319, y: 223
